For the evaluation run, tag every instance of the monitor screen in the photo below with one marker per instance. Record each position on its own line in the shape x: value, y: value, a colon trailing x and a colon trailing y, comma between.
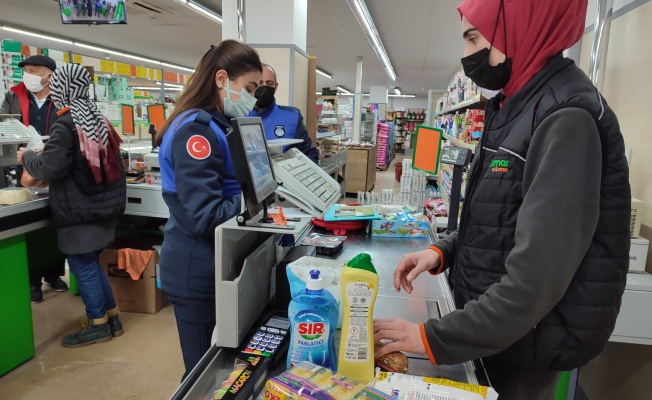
x: 93, y: 11
x: 252, y: 163
x: 260, y: 167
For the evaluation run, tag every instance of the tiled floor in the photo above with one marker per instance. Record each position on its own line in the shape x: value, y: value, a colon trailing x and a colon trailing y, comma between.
x: 144, y: 363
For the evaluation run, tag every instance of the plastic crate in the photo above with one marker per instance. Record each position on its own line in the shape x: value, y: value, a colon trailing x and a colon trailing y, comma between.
x: 637, y: 217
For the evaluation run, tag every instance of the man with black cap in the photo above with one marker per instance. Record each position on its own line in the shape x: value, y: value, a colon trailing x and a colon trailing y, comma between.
x: 31, y: 99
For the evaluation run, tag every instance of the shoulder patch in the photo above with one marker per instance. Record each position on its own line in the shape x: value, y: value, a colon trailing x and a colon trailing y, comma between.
x: 198, y: 147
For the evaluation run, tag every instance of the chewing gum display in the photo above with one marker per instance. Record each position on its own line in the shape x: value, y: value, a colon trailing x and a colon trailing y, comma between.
x: 410, y: 387
x: 312, y: 382
x: 238, y: 370
x: 245, y: 378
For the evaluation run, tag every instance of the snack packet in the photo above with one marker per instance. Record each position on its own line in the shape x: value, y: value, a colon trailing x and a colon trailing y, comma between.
x: 410, y: 387
x: 312, y: 382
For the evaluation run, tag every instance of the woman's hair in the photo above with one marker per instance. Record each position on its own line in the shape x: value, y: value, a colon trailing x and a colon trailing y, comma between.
x: 201, y: 91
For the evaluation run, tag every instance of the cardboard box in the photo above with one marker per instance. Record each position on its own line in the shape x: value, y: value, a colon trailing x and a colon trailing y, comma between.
x: 385, y: 227
x: 140, y: 296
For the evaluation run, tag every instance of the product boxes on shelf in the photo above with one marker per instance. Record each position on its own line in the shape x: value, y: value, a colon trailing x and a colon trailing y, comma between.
x: 130, y: 295
x: 399, y: 222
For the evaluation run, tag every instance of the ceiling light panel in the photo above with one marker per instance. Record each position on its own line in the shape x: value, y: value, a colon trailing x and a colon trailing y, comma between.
x: 361, y: 12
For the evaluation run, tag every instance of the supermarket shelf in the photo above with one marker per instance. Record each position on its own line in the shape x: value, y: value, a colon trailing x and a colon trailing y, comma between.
x: 458, y: 143
x: 415, y: 120
x: 328, y: 112
x: 322, y: 135
x: 473, y: 102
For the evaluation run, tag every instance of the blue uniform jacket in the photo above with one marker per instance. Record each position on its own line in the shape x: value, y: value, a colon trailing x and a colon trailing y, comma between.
x: 201, y: 191
x: 282, y: 122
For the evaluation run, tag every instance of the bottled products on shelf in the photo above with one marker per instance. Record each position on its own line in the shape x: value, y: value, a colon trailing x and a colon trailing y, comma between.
x: 384, y: 146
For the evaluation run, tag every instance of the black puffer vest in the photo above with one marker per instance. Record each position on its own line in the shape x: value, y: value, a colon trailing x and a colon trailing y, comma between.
x: 579, y: 326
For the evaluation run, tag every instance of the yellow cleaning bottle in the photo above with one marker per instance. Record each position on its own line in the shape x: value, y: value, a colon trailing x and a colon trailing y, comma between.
x: 359, y: 283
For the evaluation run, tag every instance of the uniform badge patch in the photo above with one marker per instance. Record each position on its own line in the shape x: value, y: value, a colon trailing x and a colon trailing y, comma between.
x: 198, y: 147
x: 279, y: 131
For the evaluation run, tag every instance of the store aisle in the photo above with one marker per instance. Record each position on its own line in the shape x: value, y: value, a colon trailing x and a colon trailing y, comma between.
x: 144, y: 363
x: 384, y: 180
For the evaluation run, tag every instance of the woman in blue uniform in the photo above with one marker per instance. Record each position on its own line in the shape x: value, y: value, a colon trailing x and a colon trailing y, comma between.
x: 199, y: 185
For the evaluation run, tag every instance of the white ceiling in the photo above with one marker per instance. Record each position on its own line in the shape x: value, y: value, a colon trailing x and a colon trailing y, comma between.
x: 421, y: 37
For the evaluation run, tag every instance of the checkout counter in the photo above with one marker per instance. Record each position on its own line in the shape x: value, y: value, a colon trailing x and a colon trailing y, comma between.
x: 243, y: 292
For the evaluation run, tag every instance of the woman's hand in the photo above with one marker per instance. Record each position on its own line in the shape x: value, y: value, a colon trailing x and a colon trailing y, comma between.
x: 20, y: 153
x: 404, y: 336
x: 411, y: 266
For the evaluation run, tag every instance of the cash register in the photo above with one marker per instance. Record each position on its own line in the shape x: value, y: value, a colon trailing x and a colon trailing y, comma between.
x: 13, y: 134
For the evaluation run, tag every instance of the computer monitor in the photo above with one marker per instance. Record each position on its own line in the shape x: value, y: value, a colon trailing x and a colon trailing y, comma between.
x: 253, y: 167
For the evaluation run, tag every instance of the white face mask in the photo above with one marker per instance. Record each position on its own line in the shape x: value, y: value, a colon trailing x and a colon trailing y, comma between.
x: 240, y: 107
x: 33, y: 82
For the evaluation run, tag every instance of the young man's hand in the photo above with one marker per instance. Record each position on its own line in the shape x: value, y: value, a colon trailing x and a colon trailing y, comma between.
x: 411, y: 266
x: 404, y: 336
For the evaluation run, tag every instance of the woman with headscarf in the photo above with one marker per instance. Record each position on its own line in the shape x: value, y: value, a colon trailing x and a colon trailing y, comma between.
x: 81, y: 162
x: 539, y: 263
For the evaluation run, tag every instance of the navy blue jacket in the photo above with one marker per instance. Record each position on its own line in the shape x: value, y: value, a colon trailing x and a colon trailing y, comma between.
x: 201, y: 191
x: 283, y: 122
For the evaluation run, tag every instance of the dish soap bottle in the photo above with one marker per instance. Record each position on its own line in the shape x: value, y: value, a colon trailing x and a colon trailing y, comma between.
x: 359, y: 289
x: 313, y: 318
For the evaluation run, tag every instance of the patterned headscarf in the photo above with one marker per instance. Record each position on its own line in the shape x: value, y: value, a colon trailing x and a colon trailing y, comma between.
x: 98, y: 141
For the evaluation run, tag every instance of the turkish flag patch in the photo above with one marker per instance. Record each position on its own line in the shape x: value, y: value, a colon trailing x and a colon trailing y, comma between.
x: 198, y: 147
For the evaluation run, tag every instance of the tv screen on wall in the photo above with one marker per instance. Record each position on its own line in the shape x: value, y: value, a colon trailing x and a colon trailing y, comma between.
x: 93, y: 12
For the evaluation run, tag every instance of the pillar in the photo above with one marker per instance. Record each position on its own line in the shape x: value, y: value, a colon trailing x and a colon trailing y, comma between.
x: 357, y: 102
x: 279, y: 34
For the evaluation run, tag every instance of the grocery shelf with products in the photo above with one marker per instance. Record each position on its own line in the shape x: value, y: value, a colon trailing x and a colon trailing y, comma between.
x: 406, y: 122
x: 460, y: 115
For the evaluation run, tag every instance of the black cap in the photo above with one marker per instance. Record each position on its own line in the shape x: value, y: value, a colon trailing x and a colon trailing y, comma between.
x: 39, y: 60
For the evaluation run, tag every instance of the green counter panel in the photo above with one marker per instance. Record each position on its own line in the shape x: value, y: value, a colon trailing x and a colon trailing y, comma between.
x: 16, y: 330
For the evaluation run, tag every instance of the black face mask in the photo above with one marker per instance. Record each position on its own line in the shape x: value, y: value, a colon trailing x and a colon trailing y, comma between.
x: 265, y: 96
x: 477, y: 67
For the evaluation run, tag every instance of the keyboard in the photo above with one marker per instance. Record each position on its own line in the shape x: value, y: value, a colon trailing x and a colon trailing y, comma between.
x: 299, y: 174
x: 13, y: 132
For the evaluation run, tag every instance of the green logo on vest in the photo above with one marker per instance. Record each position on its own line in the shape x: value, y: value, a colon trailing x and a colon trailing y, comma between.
x: 501, y: 166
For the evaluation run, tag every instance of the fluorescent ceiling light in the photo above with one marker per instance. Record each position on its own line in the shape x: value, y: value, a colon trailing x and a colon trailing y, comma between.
x: 95, y: 48
x: 352, y: 94
x: 397, y: 91
x: 22, y: 32
x: 169, y: 84
x: 345, y: 90
x: 318, y: 93
x: 401, y: 95
x: 361, y: 12
x: 154, y: 89
x: 205, y: 12
x: 100, y: 49
x: 149, y: 60
x: 324, y: 73
x: 177, y: 67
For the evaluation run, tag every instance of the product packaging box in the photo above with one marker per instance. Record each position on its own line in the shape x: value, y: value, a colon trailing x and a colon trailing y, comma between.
x: 141, y: 296
x: 399, y: 222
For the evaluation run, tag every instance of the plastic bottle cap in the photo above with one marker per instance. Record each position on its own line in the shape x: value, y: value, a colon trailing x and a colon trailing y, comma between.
x: 362, y: 261
x: 315, y: 281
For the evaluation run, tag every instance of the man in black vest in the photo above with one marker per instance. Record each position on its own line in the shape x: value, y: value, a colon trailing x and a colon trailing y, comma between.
x: 31, y: 99
x: 538, y: 266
